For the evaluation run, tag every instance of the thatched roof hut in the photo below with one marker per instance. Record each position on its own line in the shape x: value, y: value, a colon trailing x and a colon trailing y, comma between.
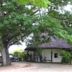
x: 55, y: 43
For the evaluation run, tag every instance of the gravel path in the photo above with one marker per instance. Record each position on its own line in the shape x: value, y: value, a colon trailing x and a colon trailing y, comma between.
x: 35, y: 67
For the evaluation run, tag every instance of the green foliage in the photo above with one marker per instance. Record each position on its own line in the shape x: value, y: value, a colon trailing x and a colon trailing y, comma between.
x: 38, y: 3
x: 59, y: 3
x: 66, y: 57
x: 16, y: 22
x: 49, y: 23
x: 20, y: 55
x: 39, y: 51
x: 64, y: 17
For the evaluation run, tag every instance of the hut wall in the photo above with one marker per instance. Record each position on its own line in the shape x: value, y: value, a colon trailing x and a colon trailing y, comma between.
x: 46, y: 55
x: 56, y: 57
x: 51, y: 55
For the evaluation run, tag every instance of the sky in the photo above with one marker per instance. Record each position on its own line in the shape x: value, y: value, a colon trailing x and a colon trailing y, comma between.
x: 14, y: 48
x: 21, y: 47
x: 68, y: 8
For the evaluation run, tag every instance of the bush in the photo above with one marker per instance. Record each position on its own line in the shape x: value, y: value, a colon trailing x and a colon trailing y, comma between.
x: 20, y: 55
x: 66, y: 57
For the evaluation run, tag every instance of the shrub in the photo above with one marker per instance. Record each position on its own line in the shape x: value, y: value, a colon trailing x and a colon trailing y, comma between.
x: 66, y: 57
x: 20, y: 55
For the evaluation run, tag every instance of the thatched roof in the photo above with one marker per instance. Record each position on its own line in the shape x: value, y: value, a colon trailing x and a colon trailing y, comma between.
x: 55, y: 43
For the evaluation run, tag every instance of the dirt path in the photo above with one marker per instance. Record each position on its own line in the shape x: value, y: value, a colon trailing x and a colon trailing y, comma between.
x: 35, y: 67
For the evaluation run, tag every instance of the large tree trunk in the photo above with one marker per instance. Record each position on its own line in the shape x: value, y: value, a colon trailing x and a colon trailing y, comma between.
x: 5, y: 57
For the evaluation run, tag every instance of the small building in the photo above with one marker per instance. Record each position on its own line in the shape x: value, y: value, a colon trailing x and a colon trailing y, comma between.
x: 49, y: 52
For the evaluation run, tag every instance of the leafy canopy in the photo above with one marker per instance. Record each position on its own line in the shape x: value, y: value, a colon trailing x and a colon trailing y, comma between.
x: 38, y: 3
x: 16, y: 21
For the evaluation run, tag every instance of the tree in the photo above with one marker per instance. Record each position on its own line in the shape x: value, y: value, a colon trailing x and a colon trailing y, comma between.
x: 57, y: 11
x: 17, y: 21
x: 15, y: 24
x: 56, y: 22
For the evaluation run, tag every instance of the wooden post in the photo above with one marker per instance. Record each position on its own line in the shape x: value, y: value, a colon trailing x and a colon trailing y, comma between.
x: 51, y: 55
